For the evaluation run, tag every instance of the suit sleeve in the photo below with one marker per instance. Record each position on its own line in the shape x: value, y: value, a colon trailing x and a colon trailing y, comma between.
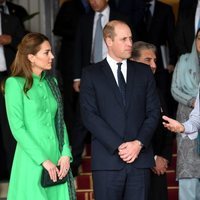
x: 152, y: 113
x: 14, y: 107
x: 92, y: 118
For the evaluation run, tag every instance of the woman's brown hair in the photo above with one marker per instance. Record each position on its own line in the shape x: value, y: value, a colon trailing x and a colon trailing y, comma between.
x: 21, y: 65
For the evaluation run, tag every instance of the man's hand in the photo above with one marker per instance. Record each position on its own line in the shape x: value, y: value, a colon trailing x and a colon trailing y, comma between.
x: 5, y: 39
x: 76, y: 86
x: 129, y: 151
x: 173, y: 125
x: 161, y: 165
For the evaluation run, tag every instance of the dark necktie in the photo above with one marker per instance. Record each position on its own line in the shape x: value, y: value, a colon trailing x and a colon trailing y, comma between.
x: 98, y: 41
x: 148, y: 16
x: 2, y: 9
x: 121, y: 83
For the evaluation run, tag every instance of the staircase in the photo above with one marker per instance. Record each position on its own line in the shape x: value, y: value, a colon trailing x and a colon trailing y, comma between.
x: 84, y: 182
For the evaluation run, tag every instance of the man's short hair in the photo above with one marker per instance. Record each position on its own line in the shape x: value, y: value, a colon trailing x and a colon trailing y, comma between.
x: 139, y: 46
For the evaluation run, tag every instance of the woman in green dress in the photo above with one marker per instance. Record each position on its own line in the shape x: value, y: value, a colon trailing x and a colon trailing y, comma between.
x: 34, y: 110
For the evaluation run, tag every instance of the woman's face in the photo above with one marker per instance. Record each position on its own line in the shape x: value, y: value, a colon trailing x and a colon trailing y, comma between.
x: 42, y: 60
x: 198, y: 42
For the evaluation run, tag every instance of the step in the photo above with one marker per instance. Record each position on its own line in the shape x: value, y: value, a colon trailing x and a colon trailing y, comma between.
x: 172, y: 165
x: 171, y: 178
x: 85, y: 195
x: 173, y: 193
x: 84, y: 182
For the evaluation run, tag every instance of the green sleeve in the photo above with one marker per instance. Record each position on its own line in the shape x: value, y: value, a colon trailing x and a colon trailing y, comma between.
x: 66, y: 147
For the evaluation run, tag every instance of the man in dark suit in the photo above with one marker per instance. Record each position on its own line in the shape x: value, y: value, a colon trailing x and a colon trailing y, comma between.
x: 158, y: 28
x: 133, y: 9
x: 65, y: 26
x: 187, y: 25
x: 84, y: 48
x: 120, y: 107
x: 162, y: 140
x: 11, y: 35
x: 14, y: 9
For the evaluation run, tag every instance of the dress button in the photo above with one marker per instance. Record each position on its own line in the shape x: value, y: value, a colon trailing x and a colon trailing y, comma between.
x: 44, y: 97
x: 51, y: 137
x: 48, y: 124
x: 47, y: 110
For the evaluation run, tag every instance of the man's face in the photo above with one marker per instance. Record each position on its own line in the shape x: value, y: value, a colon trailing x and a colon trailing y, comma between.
x: 148, y: 57
x: 121, y: 46
x: 98, y: 5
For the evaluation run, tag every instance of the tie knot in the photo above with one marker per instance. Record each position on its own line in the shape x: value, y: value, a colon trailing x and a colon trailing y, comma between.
x: 100, y: 15
x: 119, y: 66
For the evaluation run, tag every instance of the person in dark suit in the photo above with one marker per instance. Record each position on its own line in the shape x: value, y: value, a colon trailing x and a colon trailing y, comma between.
x: 162, y: 140
x: 187, y: 25
x: 11, y: 35
x: 120, y: 107
x: 65, y: 26
x: 83, y: 56
x: 14, y: 9
x: 158, y: 28
x: 133, y: 9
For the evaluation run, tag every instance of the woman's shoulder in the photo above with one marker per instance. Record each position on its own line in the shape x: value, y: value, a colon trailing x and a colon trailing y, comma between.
x: 14, y: 80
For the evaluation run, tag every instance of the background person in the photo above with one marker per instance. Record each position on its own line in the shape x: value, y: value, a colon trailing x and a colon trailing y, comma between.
x: 184, y: 89
x: 162, y: 140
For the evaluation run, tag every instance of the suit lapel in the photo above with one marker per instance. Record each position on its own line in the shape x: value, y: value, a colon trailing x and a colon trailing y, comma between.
x: 111, y: 81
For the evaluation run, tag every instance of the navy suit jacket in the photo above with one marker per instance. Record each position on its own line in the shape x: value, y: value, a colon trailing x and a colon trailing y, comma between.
x: 109, y: 122
x: 83, y: 44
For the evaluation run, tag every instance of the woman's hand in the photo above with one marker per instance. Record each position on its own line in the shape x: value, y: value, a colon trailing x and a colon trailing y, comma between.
x: 64, y: 163
x: 173, y: 125
x: 52, y: 169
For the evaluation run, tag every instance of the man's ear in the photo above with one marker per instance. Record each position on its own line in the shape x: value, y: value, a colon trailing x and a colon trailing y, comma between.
x: 108, y: 41
x: 31, y: 58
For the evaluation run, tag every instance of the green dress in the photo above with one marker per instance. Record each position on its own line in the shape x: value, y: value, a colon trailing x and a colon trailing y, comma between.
x: 31, y: 118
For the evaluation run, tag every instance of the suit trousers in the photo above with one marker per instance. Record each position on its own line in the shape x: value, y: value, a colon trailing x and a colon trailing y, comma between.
x: 158, y: 187
x: 126, y: 184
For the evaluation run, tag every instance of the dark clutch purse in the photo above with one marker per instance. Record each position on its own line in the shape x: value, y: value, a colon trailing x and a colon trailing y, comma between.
x: 46, y: 180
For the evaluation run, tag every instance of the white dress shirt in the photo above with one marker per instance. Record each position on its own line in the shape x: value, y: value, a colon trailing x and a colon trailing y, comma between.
x: 114, y: 67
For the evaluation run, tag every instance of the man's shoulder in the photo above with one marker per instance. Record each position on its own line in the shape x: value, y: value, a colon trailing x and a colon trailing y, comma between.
x: 138, y: 66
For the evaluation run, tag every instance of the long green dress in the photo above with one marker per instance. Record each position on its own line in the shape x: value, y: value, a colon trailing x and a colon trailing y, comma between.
x: 31, y: 118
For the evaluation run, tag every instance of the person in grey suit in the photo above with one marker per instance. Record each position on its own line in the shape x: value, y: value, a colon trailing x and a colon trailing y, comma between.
x: 120, y: 107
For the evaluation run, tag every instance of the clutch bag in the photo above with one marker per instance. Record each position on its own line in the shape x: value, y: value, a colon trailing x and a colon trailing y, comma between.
x: 46, y: 180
